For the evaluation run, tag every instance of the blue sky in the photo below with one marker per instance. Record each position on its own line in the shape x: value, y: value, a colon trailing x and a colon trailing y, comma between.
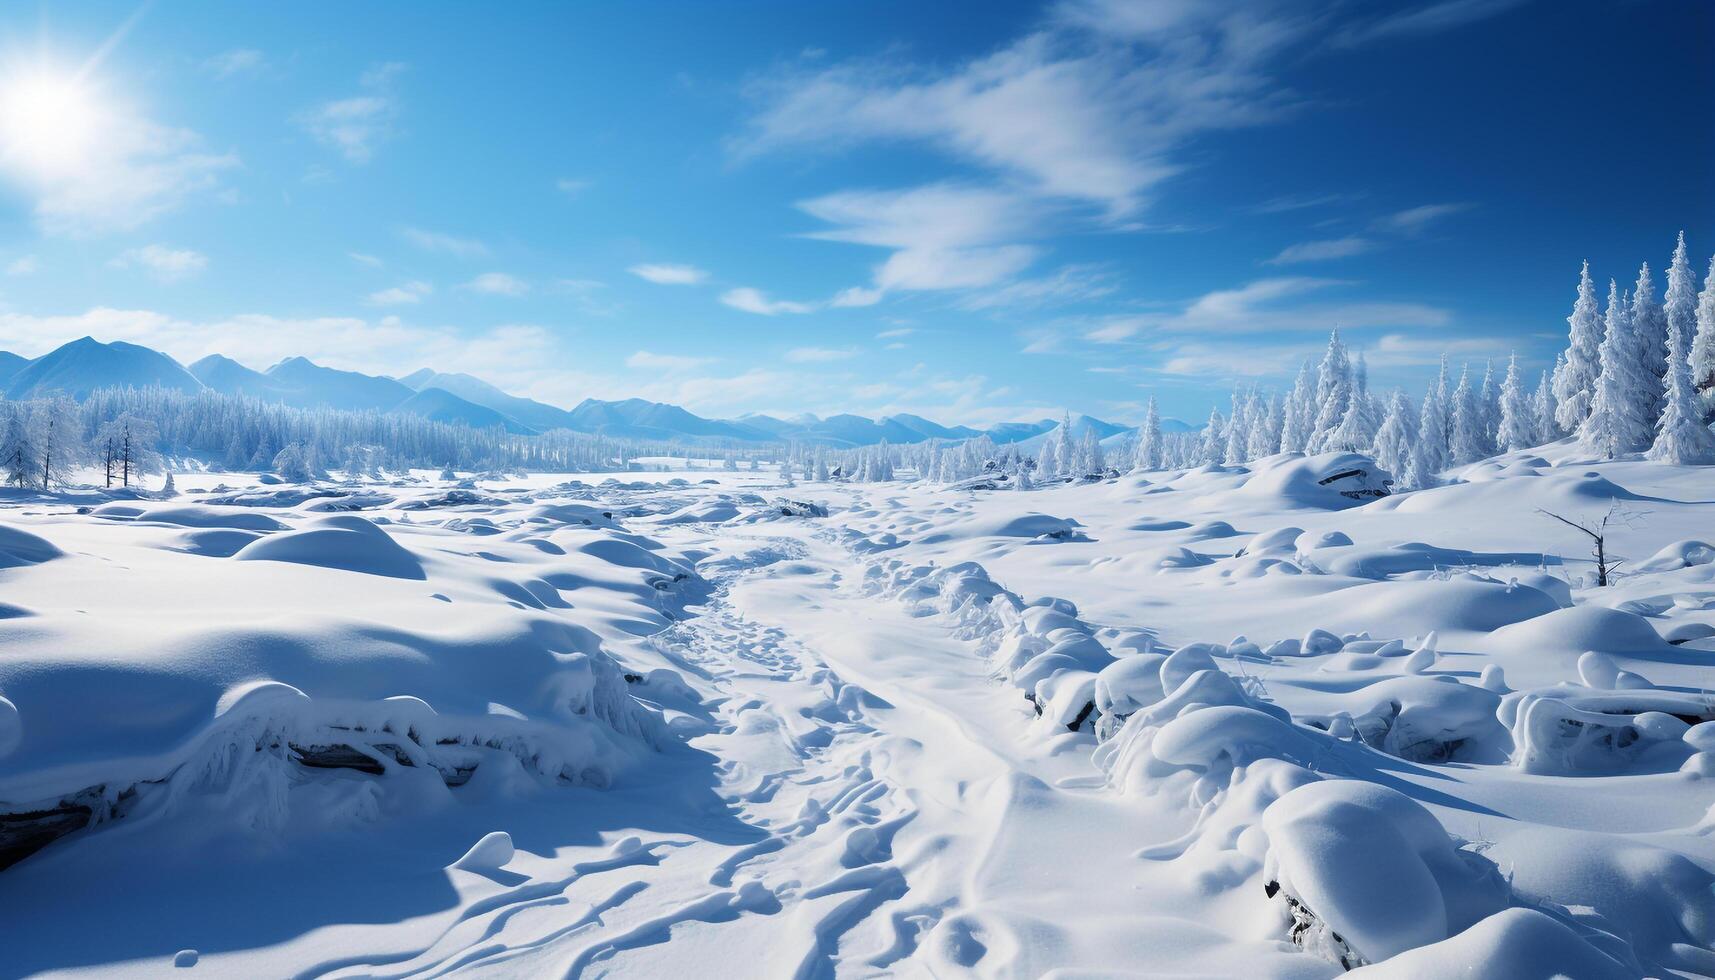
x: 976, y: 212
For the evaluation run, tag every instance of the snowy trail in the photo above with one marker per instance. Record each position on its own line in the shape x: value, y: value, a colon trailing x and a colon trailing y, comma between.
x: 902, y: 818
x: 813, y: 760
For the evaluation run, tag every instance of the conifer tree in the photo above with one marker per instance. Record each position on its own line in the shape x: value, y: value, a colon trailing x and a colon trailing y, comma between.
x: 1547, y: 416
x: 1396, y: 438
x: 1465, y: 442
x: 1149, y: 439
x: 1616, y: 424
x: 1648, y: 325
x: 1333, y: 384
x: 1518, y: 426
x: 1214, y: 444
x: 1575, y: 376
x: 1299, y: 413
x: 1681, y: 436
x: 1703, y: 347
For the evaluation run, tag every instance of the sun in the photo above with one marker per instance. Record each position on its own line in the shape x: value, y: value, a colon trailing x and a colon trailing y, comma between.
x: 50, y: 122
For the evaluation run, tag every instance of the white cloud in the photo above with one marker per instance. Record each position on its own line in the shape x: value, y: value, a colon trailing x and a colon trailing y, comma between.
x: 1322, y: 251
x: 356, y: 124
x: 855, y: 296
x: 238, y: 61
x: 755, y: 301
x: 1282, y: 304
x: 435, y: 241
x: 498, y: 284
x: 943, y: 236
x: 161, y: 262
x: 362, y: 258
x: 571, y: 185
x: 411, y: 292
x: 1071, y: 284
x: 668, y: 274
x: 895, y: 333
x: 650, y: 361
x: 817, y: 355
x: 1091, y: 108
x: 1413, y: 221
x: 1420, y: 21
x: 23, y: 265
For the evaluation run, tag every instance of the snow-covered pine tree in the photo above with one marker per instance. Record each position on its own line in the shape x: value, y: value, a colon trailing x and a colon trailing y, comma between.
x: 1353, y: 434
x: 1065, y: 452
x: 1396, y: 438
x: 1575, y: 377
x: 1430, y: 452
x: 1094, y: 461
x: 1265, y: 430
x: 1149, y: 439
x: 1466, y: 442
x: 1542, y: 404
x: 1238, y: 430
x: 1300, y: 412
x: 1681, y: 436
x: 1616, y: 423
x: 1648, y: 327
x: 1518, y: 426
x: 1333, y: 382
x: 1214, y: 443
x: 1703, y: 347
x: 1047, y: 460
x: 1489, y: 408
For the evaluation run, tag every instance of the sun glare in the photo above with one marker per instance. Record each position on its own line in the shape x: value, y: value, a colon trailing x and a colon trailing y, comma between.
x: 49, y: 122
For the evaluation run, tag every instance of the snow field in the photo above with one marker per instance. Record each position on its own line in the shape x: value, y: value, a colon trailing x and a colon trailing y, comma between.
x: 1221, y: 721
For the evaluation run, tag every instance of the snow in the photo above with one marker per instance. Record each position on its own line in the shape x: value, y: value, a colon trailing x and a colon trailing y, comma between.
x: 1224, y: 721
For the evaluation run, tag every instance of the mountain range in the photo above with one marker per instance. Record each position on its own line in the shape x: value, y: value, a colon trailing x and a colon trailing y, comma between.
x: 86, y: 364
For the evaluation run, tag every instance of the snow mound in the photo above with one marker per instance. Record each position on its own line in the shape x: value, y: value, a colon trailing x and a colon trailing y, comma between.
x: 1371, y: 872
x: 1679, y: 554
x: 19, y: 547
x: 1521, y: 944
x: 190, y: 516
x: 345, y: 542
x: 1326, y: 481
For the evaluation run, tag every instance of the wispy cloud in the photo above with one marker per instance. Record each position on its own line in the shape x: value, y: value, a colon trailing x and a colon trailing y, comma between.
x: 357, y: 124
x: 817, y: 355
x: 23, y: 265
x: 571, y: 186
x: 238, y: 61
x: 1091, y: 107
x: 498, y: 284
x: 755, y: 301
x: 669, y: 274
x: 1424, y: 20
x: 1322, y: 251
x: 436, y: 241
x: 942, y: 236
x: 645, y: 360
x: 406, y: 293
x: 1414, y: 221
x: 161, y: 262
x: 363, y: 258
x: 1282, y: 304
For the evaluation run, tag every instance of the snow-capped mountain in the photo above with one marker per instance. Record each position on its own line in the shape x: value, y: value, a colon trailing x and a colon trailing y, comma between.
x: 227, y: 376
x: 537, y: 415
x: 307, y: 384
x: 86, y: 364
x: 441, y: 405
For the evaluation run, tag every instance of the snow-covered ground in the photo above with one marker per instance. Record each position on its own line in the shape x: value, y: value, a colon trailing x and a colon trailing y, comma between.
x: 1223, y: 722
